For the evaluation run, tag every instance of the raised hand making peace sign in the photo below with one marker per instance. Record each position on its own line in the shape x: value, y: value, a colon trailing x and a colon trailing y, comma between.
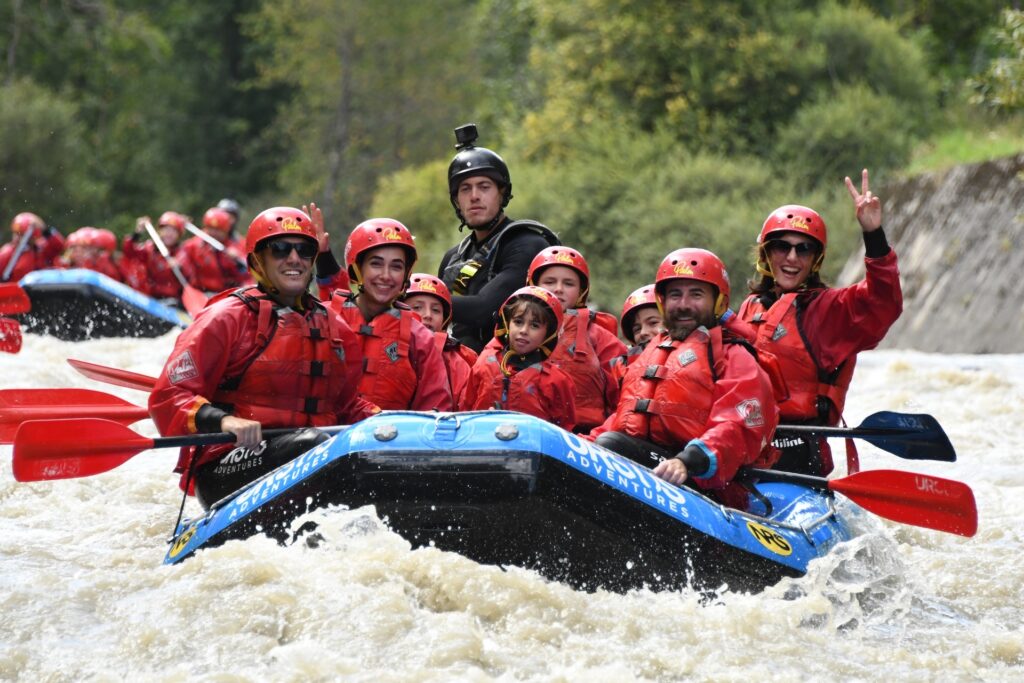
x: 867, y: 205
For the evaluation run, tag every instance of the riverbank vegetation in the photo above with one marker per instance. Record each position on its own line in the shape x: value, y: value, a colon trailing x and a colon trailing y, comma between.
x: 631, y: 127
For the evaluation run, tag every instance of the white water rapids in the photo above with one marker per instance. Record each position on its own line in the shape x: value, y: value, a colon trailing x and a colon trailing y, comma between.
x: 83, y: 594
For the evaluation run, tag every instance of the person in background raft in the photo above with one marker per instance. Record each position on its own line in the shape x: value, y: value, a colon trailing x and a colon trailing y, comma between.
x: 816, y: 331
x: 519, y: 374
x: 696, y: 391
x: 207, y: 268
x: 402, y: 366
x: 491, y: 262
x: 269, y: 355
x: 585, y: 349
x: 42, y: 246
x: 429, y: 298
x: 91, y: 248
x: 641, y: 321
x: 142, y: 265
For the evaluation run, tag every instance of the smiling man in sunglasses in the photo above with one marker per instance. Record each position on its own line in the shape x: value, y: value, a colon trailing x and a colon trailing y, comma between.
x: 262, y: 356
x: 813, y: 330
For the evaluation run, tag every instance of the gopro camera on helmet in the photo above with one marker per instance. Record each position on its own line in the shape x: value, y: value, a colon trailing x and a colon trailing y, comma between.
x: 465, y: 136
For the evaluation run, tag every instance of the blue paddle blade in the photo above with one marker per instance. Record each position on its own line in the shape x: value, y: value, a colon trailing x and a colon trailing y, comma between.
x: 913, y: 436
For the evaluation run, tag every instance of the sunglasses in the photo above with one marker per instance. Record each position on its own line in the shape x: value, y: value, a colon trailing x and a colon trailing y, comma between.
x: 782, y: 248
x: 282, y: 248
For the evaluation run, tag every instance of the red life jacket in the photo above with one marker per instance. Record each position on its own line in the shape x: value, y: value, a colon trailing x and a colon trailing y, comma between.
x: 208, y: 269
x: 575, y: 356
x: 815, y: 394
x: 539, y: 389
x: 458, y: 361
x: 389, y: 378
x: 301, y: 368
x: 671, y: 408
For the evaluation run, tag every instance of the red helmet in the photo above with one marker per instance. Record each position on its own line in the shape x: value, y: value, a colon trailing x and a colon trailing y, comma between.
x: 424, y: 283
x: 561, y: 256
x: 544, y: 297
x: 82, y: 237
x: 24, y: 221
x: 377, y: 232
x: 794, y: 218
x: 644, y: 296
x: 105, y: 240
x: 280, y: 220
x: 172, y: 219
x: 218, y: 219
x: 694, y: 264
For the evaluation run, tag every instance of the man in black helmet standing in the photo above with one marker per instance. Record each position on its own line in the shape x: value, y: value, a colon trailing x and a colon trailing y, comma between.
x: 491, y: 262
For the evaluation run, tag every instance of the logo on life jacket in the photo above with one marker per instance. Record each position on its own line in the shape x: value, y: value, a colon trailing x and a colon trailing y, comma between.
x: 182, y: 368
x: 688, y: 357
x: 780, y: 332
x: 750, y: 411
x: 800, y: 223
x: 391, y: 351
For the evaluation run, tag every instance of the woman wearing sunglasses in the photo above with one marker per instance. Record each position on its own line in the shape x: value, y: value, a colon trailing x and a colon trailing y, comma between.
x: 262, y: 356
x: 816, y: 331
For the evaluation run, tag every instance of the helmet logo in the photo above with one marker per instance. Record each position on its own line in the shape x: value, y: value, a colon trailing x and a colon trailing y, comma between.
x: 289, y: 223
x: 565, y: 257
x: 800, y: 223
x: 392, y: 235
x: 682, y: 269
x: 634, y: 300
x: 426, y: 286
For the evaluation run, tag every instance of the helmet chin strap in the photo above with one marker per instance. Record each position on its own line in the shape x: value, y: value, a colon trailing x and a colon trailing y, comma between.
x: 256, y: 270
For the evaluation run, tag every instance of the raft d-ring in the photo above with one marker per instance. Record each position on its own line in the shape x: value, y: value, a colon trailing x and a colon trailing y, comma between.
x: 446, y: 425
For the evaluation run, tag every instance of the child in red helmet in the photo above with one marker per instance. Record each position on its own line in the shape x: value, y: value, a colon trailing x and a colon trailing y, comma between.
x: 585, y: 348
x: 430, y: 299
x: 641, y: 321
x: 520, y: 374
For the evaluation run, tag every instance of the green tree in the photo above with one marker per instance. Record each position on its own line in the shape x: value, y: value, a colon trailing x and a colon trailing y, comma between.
x: 43, y: 157
x: 1001, y: 86
x: 368, y: 99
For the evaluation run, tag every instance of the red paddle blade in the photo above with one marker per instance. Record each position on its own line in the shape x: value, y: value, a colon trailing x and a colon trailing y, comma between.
x: 121, y: 378
x: 80, y: 448
x: 193, y: 300
x: 22, y: 405
x: 910, y: 498
x: 13, y: 299
x: 10, y: 335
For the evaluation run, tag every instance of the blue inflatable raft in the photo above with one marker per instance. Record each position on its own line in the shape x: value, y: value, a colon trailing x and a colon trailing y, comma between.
x: 77, y: 304
x: 509, y: 489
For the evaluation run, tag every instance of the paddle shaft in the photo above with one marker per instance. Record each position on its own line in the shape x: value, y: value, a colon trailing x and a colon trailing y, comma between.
x: 162, y: 248
x: 211, y: 240
x: 846, y: 432
x: 18, y: 251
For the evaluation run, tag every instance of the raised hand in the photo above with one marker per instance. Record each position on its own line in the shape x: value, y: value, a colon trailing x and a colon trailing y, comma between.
x: 867, y: 205
x: 314, y: 212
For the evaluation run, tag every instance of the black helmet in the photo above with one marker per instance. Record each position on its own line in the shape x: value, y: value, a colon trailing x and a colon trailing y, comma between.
x: 472, y: 161
x: 229, y: 205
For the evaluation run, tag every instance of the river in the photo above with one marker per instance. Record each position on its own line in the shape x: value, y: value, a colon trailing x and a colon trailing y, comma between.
x: 83, y: 594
